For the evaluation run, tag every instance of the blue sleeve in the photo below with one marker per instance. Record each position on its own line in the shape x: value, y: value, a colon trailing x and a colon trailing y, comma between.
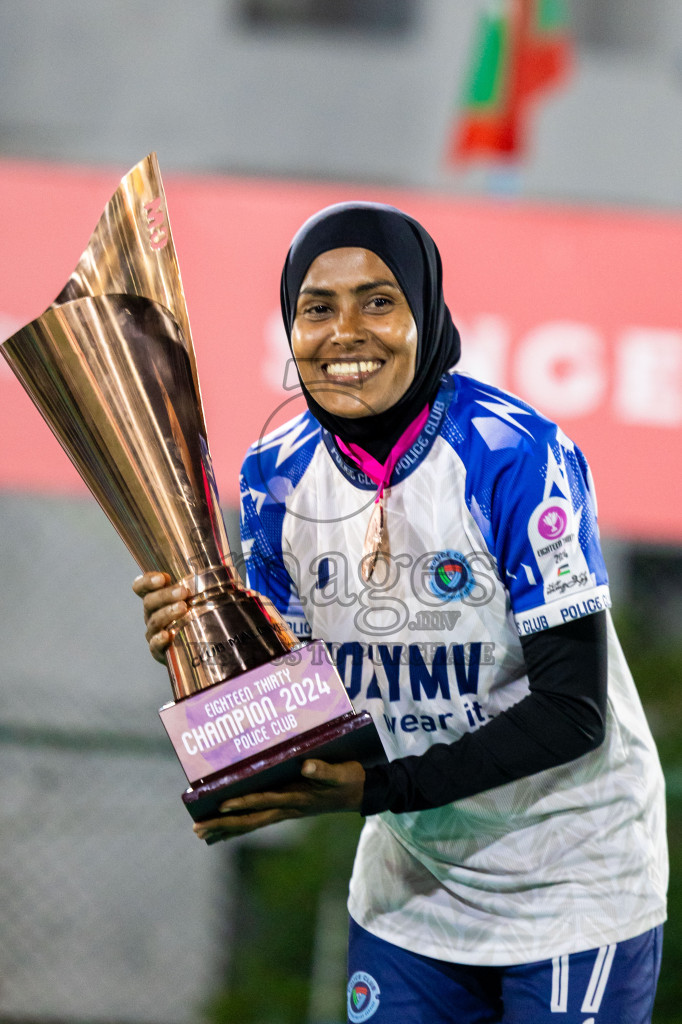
x: 546, y: 537
x: 529, y: 489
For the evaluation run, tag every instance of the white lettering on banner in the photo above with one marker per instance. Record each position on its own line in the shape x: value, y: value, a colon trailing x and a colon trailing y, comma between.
x: 648, y: 385
x: 561, y: 367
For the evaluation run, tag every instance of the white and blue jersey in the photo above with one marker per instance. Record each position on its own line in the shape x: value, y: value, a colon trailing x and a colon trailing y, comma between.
x: 492, y: 528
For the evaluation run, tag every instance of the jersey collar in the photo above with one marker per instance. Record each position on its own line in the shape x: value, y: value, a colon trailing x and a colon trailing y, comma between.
x: 414, y: 455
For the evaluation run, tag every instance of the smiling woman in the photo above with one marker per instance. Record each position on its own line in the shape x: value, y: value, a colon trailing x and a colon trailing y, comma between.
x: 516, y: 834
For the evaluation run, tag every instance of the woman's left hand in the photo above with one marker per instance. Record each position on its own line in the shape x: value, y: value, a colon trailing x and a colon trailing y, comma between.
x: 322, y: 788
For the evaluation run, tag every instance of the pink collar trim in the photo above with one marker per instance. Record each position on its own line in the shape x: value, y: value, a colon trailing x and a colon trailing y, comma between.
x: 381, y: 474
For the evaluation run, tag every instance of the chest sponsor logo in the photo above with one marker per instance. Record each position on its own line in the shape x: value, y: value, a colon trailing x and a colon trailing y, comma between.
x: 450, y: 576
x: 417, y: 674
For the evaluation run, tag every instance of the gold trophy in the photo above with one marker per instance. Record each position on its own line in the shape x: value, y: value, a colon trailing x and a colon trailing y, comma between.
x: 111, y: 368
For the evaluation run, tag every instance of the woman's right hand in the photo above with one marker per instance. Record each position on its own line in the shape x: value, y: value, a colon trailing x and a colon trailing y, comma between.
x: 163, y: 603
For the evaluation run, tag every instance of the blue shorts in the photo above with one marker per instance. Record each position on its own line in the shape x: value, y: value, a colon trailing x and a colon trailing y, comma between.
x: 611, y: 985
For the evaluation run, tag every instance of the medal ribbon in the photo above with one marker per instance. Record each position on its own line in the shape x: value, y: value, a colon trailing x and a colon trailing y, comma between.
x: 376, y: 538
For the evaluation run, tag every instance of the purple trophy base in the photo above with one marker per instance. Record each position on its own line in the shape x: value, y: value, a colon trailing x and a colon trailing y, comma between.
x: 254, y: 731
x: 352, y: 737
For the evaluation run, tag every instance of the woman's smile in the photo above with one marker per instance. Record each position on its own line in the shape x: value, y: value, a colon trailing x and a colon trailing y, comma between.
x: 352, y: 371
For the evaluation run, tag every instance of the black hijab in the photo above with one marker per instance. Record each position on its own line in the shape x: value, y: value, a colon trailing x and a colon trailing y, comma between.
x: 412, y: 256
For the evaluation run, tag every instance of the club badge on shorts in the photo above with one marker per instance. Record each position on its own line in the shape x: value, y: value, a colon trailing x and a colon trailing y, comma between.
x: 363, y: 997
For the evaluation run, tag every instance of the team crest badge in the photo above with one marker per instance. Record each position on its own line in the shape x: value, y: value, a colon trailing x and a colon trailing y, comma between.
x: 363, y: 997
x: 450, y: 576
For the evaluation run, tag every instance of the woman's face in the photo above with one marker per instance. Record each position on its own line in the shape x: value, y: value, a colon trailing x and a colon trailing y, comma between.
x: 354, y: 337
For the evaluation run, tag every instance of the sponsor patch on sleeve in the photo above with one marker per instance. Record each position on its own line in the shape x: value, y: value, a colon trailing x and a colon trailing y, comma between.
x: 553, y: 533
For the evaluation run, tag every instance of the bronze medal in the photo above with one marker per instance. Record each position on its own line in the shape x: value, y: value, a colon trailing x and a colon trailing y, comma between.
x: 376, y: 540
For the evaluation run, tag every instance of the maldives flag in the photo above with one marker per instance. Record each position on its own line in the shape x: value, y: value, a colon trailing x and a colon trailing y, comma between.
x: 522, y: 48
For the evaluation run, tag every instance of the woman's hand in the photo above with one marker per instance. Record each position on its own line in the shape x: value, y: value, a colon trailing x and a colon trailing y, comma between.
x: 322, y: 788
x: 163, y: 604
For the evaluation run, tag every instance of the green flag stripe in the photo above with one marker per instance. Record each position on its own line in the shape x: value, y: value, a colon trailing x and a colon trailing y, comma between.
x: 485, y: 85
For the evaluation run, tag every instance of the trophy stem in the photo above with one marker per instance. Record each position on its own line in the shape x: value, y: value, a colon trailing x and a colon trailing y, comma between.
x: 226, y: 631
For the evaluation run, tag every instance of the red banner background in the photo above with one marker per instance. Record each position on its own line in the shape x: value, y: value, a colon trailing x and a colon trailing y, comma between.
x: 575, y: 310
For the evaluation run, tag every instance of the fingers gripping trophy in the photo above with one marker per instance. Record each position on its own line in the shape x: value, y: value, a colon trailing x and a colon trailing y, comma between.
x: 111, y: 368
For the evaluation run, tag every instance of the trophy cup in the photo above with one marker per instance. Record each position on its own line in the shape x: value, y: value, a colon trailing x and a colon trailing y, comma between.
x: 111, y: 368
